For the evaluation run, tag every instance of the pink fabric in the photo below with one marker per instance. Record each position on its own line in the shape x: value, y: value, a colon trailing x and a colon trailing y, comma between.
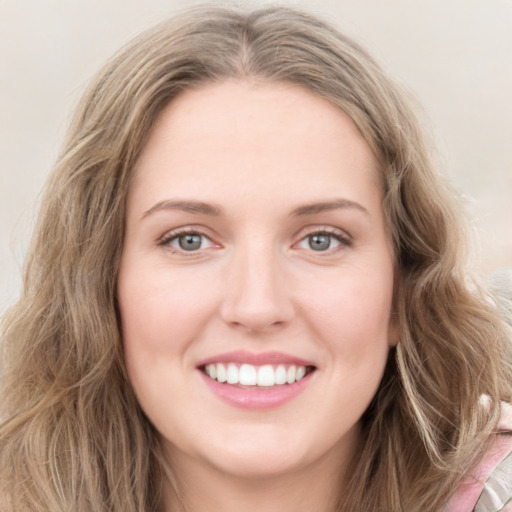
x: 467, y: 495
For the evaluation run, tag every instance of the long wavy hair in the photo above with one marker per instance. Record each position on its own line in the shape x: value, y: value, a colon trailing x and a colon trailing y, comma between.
x: 72, y: 435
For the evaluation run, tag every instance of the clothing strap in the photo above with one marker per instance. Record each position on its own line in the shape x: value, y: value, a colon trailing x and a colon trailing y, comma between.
x: 497, y: 492
x: 489, y: 487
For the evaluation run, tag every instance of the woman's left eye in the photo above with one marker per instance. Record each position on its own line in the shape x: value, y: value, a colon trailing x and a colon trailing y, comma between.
x: 187, y: 242
x: 322, y: 241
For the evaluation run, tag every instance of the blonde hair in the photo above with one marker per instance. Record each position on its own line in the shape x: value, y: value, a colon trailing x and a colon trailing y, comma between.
x: 72, y: 435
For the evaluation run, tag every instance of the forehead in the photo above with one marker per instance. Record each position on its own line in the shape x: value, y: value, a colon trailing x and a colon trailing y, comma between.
x: 246, y: 134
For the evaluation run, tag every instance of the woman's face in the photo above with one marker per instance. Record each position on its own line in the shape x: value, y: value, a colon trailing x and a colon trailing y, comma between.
x: 256, y: 280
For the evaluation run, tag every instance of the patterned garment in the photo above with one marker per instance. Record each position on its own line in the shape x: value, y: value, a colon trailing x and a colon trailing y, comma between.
x: 489, y: 487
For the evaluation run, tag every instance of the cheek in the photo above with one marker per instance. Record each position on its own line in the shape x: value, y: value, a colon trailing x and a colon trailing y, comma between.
x: 160, y: 318
x: 162, y: 315
x: 159, y: 311
x: 354, y: 310
x: 355, y: 328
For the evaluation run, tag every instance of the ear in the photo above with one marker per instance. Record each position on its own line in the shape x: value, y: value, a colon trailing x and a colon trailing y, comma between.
x: 393, y: 330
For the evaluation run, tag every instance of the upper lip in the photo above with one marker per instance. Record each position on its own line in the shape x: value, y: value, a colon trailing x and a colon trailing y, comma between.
x: 256, y: 359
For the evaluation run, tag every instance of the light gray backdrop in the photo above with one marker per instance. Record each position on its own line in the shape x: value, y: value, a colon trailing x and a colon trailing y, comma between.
x: 456, y: 55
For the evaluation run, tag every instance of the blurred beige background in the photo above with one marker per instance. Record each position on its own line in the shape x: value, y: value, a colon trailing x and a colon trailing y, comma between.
x: 456, y: 55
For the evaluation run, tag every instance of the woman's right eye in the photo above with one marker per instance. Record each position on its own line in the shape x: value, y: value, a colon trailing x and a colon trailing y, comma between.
x: 186, y: 242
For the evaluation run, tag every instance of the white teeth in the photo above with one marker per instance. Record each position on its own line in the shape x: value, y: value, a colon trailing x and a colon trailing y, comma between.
x: 250, y: 375
x: 221, y: 372
x: 280, y: 375
x: 247, y: 375
x: 233, y: 375
x: 266, y: 376
x: 290, y: 374
x: 211, y: 371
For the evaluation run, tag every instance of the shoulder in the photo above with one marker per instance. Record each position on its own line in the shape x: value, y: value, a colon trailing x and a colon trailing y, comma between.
x: 489, y: 487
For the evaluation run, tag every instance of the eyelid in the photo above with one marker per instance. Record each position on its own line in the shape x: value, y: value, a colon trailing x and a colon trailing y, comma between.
x: 344, y: 238
x: 167, y: 237
x: 341, y: 235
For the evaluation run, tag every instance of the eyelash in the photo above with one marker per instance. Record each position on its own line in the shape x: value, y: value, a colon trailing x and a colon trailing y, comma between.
x: 165, y: 241
x: 344, y: 239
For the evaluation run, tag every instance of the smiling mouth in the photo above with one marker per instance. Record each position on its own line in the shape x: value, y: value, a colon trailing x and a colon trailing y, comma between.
x: 257, y: 377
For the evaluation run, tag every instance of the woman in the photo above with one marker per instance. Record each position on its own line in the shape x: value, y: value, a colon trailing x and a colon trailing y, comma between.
x: 246, y: 291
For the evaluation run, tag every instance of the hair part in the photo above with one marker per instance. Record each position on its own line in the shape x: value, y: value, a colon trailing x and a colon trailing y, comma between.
x: 73, y: 436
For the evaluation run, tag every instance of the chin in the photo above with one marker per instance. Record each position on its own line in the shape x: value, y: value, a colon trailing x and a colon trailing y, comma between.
x: 259, y: 465
x: 260, y: 455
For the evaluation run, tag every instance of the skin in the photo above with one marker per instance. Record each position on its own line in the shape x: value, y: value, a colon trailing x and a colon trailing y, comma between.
x: 259, y: 153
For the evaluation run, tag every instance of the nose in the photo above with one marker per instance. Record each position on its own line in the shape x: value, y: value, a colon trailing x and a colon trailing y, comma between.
x: 256, y: 297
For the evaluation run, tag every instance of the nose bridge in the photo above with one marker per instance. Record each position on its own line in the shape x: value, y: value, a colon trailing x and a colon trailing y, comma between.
x: 256, y: 296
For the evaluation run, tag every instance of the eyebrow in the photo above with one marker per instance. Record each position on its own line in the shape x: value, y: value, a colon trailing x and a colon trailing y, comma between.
x: 313, y: 208
x: 187, y: 206
x: 201, y: 208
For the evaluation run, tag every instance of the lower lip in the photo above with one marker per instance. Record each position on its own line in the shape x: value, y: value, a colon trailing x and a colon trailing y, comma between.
x: 256, y: 398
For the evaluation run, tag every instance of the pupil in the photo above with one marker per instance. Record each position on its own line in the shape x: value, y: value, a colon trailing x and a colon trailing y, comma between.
x: 190, y: 242
x: 319, y: 242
